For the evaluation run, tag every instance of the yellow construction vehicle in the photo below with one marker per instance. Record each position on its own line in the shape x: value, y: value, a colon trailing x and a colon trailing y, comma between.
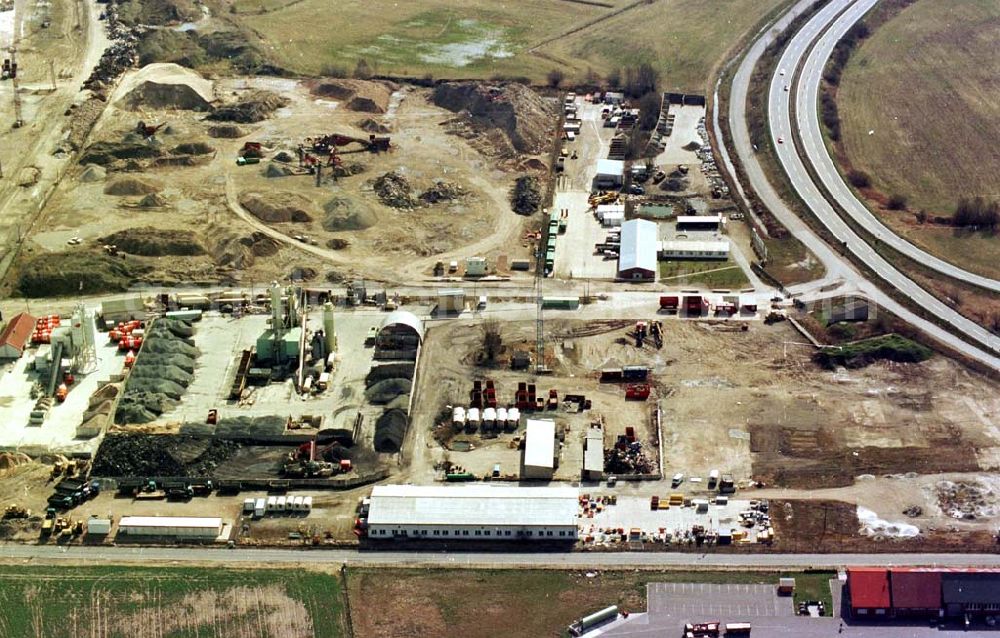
x: 16, y: 511
x: 57, y: 468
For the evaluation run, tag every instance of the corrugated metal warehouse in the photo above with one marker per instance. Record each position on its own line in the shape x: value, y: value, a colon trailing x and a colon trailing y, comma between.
x: 541, y: 456
x: 473, y: 512
x: 637, y: 256
x: 205, y: 528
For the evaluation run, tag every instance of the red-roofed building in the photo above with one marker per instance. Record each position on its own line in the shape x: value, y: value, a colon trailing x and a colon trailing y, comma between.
x: 15, y: 335
x: 868, y: 588
x: 915, y: 591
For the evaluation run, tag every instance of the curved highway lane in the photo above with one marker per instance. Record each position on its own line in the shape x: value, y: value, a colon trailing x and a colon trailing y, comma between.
x: 807, y: 117
x: 779, y: 115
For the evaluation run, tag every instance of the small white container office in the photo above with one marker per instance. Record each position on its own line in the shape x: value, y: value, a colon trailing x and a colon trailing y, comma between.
x: 472, y: 417
x: 248, y: 505
x: 279, y: 505
x: 297, y: 505
x: 489, y: 417
x: 307, y: 504
x: 513, y: 417
x: 272, y: 503
x: 259, y: 508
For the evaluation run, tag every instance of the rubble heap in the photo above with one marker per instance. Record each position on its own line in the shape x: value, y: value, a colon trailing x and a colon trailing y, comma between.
x: 526, y: 197
x: 394, y: 190
x: 442, y: 191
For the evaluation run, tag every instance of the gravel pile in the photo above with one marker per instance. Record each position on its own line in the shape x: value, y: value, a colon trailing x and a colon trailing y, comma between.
x: 149, y: 455
x: 255, y: 107
x: 161, y: 373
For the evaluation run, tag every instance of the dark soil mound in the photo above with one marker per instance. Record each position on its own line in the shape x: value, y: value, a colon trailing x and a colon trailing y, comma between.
x: 193, y: 148
x: 226, y: 131
x: 512, y: 109
x: 526, y: 196
x: 156, y: 242
x: 104, y: 153
x: 254, y: 107
x: 77, y: 273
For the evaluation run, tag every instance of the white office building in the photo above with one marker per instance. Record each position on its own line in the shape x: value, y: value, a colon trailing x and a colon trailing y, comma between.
x: 473, y: 512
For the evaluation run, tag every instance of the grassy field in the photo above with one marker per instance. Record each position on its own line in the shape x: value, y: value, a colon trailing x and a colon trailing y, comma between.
x: 177, y: 602
x: 715, y: 273
x: 475, y: 604
x: 926, y: 83
x: 685, y: 39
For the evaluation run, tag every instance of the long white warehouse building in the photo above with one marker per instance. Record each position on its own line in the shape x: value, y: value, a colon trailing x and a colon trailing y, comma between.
x: 473, y: 512
x: 177, y: 526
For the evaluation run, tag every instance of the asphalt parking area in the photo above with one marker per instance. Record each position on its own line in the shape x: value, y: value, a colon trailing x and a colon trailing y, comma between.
x: 711, y: 601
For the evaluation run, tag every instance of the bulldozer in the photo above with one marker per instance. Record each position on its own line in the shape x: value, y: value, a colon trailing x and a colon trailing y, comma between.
x: 16, y: 511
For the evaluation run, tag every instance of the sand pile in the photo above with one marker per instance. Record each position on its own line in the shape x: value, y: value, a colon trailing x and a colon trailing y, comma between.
x: 226, y: 131
x: 166, y: 86
x: 346, y: 214
x: 124, y: 186
x: 522, y: 118
x: 93, y: 173
x: 11, y: 460
x: 357, y: 95
x: 278, y: 206
x: 394, y: 190
x: 276, y: 170
x: 255, y: 106
x: 153, y: 200
x: 155, y: 242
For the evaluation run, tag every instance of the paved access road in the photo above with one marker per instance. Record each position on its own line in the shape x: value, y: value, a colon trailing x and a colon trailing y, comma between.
x: 837, y: 266
x: 569, y: 560
x: 807, y: 120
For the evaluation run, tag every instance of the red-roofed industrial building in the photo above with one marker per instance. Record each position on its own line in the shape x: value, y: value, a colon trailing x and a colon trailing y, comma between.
x: 915, y: 591
x: 15, y: 336
x: 868, y: 588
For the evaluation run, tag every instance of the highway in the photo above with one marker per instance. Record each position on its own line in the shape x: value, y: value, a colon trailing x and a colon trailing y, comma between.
x: 469, y: 560
x: 807, y: 119
x: 837, y: 266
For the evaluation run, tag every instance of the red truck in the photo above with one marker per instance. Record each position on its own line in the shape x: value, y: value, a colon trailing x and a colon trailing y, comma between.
x: 695, y: 305
x: 669, y: 304
x: 637, y: 391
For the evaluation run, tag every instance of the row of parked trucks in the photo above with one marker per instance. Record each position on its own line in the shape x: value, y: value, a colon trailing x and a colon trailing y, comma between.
x: 698, y: 305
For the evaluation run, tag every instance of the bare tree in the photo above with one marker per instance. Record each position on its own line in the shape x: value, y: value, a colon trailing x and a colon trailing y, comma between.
x: 492, y: 339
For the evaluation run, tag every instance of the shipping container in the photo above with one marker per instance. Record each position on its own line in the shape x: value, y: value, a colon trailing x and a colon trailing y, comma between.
x: 307, y: 504
x: 279, y: 504
x: 259, y: 508
x: 297, y: 503
x: 635, y: 373
x: 248, y: 506
x: 272, y: 503
x: 561, y: 303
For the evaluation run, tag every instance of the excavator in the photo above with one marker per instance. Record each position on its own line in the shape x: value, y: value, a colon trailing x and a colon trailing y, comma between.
x: 327, y: 143
x: 148, y: 130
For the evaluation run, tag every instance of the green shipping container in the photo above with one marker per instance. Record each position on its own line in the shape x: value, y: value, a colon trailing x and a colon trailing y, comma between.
x: 561, y: 303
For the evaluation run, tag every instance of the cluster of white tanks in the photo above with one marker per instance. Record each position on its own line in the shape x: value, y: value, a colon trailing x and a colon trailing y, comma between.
x: 473, y: 419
